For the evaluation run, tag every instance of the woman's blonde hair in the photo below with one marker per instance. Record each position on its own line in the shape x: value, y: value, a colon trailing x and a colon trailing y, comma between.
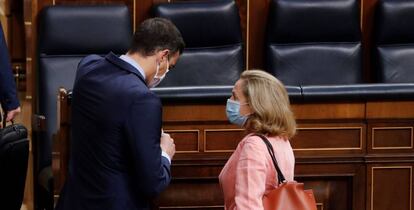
x: 268, y: 99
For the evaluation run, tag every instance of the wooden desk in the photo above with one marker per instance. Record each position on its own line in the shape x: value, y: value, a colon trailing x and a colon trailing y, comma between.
x: 356, y: 155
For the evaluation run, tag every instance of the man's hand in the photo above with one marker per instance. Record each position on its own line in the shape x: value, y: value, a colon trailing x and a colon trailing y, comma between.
x: 167, y: 144
x: 12, y: 114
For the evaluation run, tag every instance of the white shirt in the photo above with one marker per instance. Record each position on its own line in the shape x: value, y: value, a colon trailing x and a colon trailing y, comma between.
x: 134, y: 64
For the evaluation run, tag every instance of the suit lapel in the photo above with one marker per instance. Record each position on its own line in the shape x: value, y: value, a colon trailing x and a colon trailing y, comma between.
x: 111, y: 57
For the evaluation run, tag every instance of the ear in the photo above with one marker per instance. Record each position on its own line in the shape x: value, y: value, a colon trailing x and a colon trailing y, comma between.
x: 163, y: 54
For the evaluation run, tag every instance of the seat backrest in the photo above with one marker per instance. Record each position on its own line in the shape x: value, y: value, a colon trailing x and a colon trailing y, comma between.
x: 394, y: 37
x: 314, y: 42
x: 66, y: 35
x: 214, y: 51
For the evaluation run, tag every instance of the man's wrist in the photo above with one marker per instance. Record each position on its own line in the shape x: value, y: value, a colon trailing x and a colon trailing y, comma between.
x: 164, y: 154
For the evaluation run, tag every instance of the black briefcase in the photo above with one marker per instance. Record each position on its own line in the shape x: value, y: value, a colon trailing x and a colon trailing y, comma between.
x: 14, y: 154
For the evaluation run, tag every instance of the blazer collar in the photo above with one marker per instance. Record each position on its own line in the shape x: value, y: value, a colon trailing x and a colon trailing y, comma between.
x: 114, y: 59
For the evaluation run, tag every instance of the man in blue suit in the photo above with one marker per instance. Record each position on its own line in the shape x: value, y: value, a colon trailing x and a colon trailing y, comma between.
x: 120, y: 158
x: 8, y: 95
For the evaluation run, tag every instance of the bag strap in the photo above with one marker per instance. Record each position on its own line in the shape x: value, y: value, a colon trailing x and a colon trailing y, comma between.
x: 4, y: 121
x: 280, y: 176
x: 3, y: 115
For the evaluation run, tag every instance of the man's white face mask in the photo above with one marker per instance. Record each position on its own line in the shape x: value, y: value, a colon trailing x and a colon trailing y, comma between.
x: 157, y: 79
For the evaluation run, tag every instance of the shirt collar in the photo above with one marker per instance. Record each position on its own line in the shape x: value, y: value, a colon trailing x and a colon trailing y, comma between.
x: 131, y: 61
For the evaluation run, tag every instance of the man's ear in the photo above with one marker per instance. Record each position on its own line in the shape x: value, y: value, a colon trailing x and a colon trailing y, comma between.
x: 163, y: 54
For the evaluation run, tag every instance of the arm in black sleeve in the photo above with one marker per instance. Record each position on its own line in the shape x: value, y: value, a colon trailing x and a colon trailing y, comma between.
x: 8, y: 93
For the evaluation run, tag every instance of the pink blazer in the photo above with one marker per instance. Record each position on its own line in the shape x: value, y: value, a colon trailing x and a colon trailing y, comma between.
x: 249, y: 173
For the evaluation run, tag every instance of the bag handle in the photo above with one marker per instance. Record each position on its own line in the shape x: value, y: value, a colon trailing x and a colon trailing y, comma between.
x: 280, y: 176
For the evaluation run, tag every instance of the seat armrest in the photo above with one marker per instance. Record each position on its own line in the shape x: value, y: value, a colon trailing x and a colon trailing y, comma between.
x: 200, y: 94
x: 38, y: 122
x: 193, y: 94
x: 359, y: 92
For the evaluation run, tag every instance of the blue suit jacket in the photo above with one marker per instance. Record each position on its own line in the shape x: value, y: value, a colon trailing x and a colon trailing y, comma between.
x: 115, y: 157
x: 8, y: 95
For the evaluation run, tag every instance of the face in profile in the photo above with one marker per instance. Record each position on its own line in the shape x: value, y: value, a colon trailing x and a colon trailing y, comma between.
x: 168, y: 63
x: 238, y: 108
x: 238, y: 95
x: 163, y: 67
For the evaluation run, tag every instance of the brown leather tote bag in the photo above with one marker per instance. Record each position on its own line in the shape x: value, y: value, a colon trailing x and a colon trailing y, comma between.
x: 289, y: 195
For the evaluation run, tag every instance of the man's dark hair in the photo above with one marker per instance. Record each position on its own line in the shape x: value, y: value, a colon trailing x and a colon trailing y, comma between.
x: 157, y: 34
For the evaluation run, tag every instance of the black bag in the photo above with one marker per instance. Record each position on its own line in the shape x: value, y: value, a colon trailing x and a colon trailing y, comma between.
x: 14, y: 154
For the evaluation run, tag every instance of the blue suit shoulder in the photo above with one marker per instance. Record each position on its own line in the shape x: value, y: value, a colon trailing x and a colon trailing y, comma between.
x: 89, y: 60
x: 86, y: 64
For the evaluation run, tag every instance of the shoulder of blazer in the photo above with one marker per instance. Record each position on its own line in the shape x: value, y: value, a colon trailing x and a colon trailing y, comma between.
x: 85, y: 65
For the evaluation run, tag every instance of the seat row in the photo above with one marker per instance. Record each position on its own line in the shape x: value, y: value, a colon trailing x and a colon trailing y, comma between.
x: 307, y: 42
x: 314, y: 47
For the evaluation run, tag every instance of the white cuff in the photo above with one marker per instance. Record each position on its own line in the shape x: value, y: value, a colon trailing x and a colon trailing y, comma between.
x: 166, y: 155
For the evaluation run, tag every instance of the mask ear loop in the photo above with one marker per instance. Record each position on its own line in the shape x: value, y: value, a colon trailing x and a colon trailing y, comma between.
x: 247, y: 103
x: 168, y: 64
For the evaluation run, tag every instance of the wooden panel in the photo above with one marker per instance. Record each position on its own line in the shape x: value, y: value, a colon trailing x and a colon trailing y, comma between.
x: 57, y: 171
x: 336, y: 186
x: 16, y: 41
x: 243, y: 8
x: 391, y: 187
x: 329, y: 111
x: 331, y: 192
x: 192, y: 194
x: 19, y: 71
x: 186, y: 141
x: 199, y: 112
x: 27, y: 13
x: 29, y: 82
x: 328, y: 138
x: 27, y: 10
x: 392, y: 138
x: 61, y: 142
x: 367, y: 22
x: 31, y: 9
x: 142, y: 10
x: 256, y: 33
x: 203, y: 112
x: 196, y: 169
x: 222, y: 140
x: 390, y: 109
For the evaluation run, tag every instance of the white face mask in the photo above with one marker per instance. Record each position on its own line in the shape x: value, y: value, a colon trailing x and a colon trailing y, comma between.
x: 157, y: 79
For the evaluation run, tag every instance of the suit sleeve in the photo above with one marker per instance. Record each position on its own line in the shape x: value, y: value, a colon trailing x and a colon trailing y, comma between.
x: 143, y: 127
x: 8, y: 93
x: 251, y: 176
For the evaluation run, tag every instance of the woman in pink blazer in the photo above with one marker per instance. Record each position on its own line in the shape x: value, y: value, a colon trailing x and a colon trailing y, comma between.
x: 260, y: 104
